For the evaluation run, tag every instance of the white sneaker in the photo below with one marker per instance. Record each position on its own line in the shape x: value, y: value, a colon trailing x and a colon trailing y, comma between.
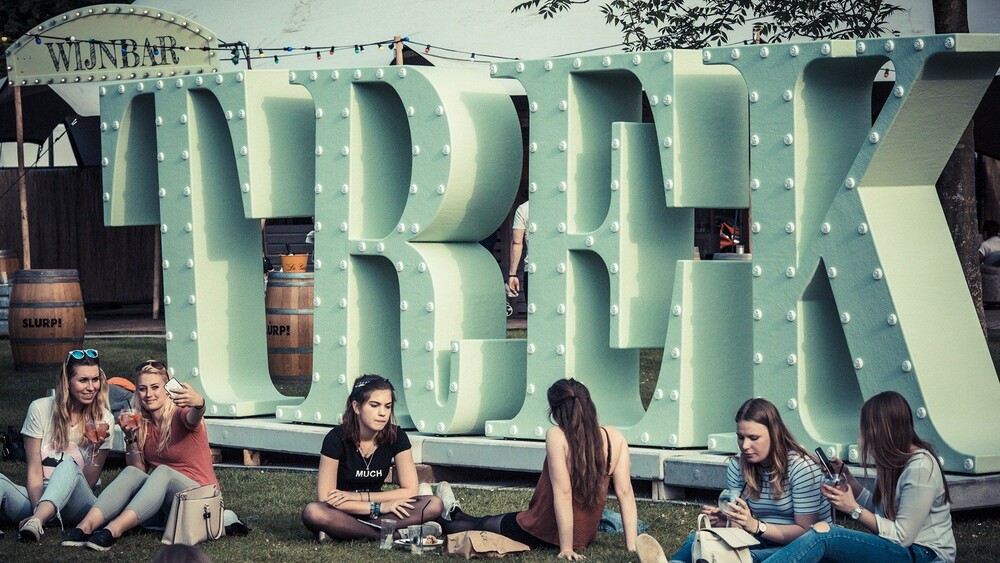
x: 31, y: 531
x: 424, y: 490
x: 447, y: 497
x: 649, y: 550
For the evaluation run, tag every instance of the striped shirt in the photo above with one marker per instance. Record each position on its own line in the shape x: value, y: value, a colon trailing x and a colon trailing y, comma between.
x: 802, y: 497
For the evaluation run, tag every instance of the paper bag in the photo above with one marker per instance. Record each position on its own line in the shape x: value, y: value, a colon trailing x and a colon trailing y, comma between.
x: 477, y: 543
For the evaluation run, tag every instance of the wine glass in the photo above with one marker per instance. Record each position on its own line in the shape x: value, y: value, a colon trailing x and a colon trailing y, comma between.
x: 726, y: 497
x: 837, y: 481
x: 90, y: 431
x: 128, y: 419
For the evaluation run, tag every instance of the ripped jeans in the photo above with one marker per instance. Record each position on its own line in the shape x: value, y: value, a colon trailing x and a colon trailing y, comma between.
x: 850, y: 546
x: 67, y: 490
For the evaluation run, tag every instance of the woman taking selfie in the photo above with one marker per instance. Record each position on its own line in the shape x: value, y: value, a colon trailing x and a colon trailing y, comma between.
x: 909, y: 512
x: 354, y: 463
x: 66, y: 440
x: 581, y: 457
x: 171, y: 443
x: 773, y: 484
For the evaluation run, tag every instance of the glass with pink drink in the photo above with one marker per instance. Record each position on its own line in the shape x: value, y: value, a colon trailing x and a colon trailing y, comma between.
x: 90, y: 431
x: 129, y: 420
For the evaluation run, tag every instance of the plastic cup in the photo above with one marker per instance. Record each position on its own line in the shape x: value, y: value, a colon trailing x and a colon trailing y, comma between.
x: 386, y: 530
x: 416, y: 539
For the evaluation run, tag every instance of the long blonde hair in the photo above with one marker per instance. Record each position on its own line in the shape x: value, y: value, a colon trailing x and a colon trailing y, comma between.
x: 163, y: 427
x: 61, y: 416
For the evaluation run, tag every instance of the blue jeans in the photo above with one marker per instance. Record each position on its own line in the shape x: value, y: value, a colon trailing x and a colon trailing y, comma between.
x: 841, y: 544
x: 67, y: 490
x: 758, y: 553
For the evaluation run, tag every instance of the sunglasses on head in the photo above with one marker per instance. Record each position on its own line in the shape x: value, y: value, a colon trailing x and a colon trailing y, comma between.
x: 155, y: 364
x: 80, y: 354
x: 366, y: 379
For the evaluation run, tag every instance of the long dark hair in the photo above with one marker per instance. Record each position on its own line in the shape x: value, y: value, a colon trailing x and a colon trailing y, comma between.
x: 887, y: 437
x: 572, y: 409
x: 764, y: 412
x: 364, y: 386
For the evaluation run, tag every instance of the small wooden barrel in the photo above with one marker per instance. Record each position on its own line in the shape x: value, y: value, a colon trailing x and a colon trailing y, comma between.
x: 288, y: 305
x: 46, y: 317
x: 4, y: 307
x: 10, y: 262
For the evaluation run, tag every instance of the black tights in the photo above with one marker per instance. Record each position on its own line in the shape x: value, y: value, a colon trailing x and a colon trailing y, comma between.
x: 462, y: 522
x: 321, y: 517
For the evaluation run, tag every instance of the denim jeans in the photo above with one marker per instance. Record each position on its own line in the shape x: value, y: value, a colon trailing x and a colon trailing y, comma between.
x: 758, y: 553
x: 67, y: 490
x: 841, y: 544
x: 149, y: 496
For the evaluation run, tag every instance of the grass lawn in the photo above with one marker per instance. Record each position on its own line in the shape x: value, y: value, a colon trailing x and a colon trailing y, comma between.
x: 270, y: 501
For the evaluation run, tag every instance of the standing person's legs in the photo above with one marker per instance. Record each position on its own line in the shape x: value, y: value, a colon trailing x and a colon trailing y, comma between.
x: 67, y: 496
x: 14, y: 503
x: 836, y: 544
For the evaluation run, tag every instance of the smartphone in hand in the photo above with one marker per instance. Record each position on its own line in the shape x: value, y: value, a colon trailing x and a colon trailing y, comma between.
x: 172, y: 386
x: 823, y: 459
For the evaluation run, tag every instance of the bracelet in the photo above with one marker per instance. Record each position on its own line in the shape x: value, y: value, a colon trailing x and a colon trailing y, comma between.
x: 512, y: 276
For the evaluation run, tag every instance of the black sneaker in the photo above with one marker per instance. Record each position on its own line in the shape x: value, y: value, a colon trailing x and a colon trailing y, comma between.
x: 76, y: 538
x: 101, y: 540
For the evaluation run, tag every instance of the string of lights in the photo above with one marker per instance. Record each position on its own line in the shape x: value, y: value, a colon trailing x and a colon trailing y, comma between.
x: 242, y: 51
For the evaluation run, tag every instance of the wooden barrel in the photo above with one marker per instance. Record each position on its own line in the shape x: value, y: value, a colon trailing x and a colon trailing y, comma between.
x: 4, y: 307
x: 288, y: 305
x: 46, y: 317
x: 10, y: 262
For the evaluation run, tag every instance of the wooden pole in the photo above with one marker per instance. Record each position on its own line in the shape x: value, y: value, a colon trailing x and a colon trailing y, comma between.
x: 22, y: 181
x: 157, y: 277
x: 397, y: 41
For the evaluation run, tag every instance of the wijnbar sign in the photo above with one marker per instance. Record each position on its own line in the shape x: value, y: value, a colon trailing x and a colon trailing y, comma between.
x: 111, y: 42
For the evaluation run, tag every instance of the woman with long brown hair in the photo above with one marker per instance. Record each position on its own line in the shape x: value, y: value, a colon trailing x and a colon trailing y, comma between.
x: 354, y: 463
x: 60, y: 481
x: 172, y: 447
x: 581, y: 458
x: 910, y: 509
x: 775, y: 484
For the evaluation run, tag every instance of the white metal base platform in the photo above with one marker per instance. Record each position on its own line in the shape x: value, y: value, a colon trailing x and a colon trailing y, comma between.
x: 675, y: 469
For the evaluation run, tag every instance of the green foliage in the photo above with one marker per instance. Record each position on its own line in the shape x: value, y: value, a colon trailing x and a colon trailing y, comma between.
x: 680, y: 24
x: 17, y: 17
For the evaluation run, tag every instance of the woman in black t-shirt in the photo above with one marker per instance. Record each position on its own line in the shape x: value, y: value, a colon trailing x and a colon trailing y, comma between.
x: 354, y: 463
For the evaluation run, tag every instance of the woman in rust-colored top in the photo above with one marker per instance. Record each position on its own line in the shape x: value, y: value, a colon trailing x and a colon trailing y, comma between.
x: 581, y: 458
x: 170, y: 443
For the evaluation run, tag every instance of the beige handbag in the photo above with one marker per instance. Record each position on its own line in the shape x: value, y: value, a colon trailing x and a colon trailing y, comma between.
x: 721, y: 545
x: 476, y: 543
x: 195, y: 516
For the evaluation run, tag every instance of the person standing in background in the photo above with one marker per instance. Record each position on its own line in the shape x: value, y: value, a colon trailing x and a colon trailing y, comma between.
x: 519, y: 238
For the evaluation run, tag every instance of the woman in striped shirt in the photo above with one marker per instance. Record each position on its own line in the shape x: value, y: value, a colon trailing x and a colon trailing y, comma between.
x: 778, y: 483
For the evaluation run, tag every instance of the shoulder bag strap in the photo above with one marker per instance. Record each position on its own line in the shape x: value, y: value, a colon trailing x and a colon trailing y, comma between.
x: 208, y: 521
